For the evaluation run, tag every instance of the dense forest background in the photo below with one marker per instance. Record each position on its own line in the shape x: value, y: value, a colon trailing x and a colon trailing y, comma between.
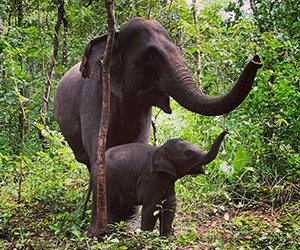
x: 251, y: 197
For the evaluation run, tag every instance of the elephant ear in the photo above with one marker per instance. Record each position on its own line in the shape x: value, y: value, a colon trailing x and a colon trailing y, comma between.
x: 93, y: 55
x: 161, y: 162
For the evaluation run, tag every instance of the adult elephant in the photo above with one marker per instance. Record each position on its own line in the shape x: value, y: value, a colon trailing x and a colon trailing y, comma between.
x: 146, y: 69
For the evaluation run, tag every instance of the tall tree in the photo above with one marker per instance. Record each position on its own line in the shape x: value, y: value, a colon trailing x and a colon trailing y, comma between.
x: 99, y: 215
x: 60, y: 18
x: 65, y: 42
x: 198, y: 52
x: 19, y: 6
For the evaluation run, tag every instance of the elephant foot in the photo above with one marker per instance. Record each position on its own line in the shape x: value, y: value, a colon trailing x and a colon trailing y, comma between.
x: 167, y: 234
x: 100, y: 236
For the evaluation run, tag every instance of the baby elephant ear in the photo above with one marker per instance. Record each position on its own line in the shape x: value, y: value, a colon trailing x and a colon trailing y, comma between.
x: 161, y: 162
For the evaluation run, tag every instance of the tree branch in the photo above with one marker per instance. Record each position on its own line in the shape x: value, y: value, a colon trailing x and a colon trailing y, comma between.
x: 60, y: 17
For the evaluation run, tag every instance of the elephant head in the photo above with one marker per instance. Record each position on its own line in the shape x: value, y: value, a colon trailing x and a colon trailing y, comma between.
x: 145, y: 60
x: 178, y: 157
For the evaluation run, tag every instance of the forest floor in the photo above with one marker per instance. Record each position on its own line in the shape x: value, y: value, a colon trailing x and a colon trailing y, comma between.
x: 52, y: 194
x: 28, y: 226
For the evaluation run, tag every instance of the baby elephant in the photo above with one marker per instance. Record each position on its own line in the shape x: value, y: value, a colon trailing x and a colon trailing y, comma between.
x: 138, y: 174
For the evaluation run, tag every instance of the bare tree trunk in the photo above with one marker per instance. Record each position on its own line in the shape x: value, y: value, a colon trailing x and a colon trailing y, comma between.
x: 41, y: 37
x: 19, y: 6
x: 23, y: 118
x: 22, y: 156
x: 198, y: 52
x: 149, y: 9
x: 65, y: 43
x: 60, y: 16
x: 255, y: 13
x: 99, y: 215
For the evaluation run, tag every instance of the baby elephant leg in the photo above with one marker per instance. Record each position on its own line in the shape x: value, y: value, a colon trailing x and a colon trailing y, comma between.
x: 149, y: 217
x: 134, y: 222
x: 167, y: 214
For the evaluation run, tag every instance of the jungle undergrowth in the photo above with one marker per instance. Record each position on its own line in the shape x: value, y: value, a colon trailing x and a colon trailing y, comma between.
x: 209, y: 214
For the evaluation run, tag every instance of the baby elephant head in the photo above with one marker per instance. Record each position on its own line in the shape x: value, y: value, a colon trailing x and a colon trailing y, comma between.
x: 178, y: 157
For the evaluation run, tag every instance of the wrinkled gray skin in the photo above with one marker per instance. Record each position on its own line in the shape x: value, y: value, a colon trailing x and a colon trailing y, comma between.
x: 147, y: 68
x: 138, y: 174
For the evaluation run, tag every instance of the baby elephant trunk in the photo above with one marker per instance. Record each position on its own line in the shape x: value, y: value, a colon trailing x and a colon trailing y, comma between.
x: 212, y: 153
x: 209, y: 156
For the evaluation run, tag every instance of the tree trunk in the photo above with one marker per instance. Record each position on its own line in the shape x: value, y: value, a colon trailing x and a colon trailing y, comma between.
x: 198, y: 52
x: 99, y: 220
x: 65, y: 43
x: 60, y: 16
x: 22, y: 152
x: 19, y: 6
x: 255, y: 13
x: 149, y: 9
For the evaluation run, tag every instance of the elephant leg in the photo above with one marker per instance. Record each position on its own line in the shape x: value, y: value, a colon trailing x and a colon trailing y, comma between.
x: 134, y: 222
x: 129, y: 215
x: 167, y: 214
x: 148, y: 217
x: 86, y: 199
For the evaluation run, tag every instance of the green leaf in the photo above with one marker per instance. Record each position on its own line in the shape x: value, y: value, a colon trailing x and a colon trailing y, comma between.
x: 239, y: 161
x: 76, y: 232
x: 156, y: 212
x: 268, y: 75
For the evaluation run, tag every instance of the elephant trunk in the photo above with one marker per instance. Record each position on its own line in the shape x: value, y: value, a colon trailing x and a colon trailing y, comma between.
x: 183, y: 89
x: 209, y: 156
x: 212, y: 153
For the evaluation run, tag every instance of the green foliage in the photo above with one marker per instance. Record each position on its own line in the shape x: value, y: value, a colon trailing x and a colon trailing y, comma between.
x: 49, y: 200
x: 122, y: 239
x: 258, y: 165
